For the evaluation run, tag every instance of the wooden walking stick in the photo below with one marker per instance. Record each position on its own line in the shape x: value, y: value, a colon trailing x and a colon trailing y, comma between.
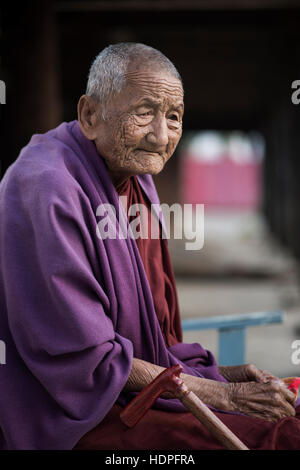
x: 169, y: 381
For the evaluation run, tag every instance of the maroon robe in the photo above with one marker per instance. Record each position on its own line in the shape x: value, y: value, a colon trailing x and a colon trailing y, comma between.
x: 158, y: 267
x: 162, y: 430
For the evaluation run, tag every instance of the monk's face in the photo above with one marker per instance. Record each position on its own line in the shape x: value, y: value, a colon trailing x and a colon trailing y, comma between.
x: 143, y: 124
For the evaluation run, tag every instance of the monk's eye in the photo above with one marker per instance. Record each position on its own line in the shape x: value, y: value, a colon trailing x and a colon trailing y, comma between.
x: 174, y: 120
x: 145, y: 113
x: 174, y: 117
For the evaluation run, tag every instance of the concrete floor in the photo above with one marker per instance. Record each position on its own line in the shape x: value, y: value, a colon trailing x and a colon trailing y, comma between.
x: 241, y: 271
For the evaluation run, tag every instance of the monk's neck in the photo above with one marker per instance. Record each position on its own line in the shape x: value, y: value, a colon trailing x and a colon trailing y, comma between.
x: 118, y: 178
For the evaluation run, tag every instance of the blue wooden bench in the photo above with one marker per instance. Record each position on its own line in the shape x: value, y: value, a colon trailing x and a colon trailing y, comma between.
x: 232, y: 332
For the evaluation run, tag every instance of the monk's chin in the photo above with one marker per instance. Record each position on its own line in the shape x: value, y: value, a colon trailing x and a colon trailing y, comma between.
x: 152, y: 165
x: 150, y: 170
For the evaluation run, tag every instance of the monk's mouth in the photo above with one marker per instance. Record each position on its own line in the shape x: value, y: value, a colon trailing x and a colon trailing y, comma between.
x: 150, y: 152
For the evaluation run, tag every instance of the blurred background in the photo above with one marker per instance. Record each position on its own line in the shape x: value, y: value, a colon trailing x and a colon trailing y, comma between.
x: 240, y: 151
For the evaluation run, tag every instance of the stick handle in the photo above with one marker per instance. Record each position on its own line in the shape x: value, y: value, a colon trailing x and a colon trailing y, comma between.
x: 221, y: 432
x: 139, y: 406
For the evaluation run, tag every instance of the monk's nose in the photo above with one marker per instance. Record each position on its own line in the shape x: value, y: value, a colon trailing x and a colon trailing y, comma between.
x: 158, y: 133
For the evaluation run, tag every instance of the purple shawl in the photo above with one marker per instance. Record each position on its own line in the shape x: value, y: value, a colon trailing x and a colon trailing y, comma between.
x: 75, y: 309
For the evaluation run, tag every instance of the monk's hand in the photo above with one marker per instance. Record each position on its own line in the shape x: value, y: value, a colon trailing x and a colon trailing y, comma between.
x: 271, y: 400
x: 246, y: 373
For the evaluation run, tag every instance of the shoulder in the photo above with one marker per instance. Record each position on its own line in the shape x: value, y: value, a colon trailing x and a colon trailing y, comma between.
x: 46, y: 156
x: 44, y: 171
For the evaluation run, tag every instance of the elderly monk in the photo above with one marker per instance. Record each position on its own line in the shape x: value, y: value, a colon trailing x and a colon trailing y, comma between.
x: 88, y: 321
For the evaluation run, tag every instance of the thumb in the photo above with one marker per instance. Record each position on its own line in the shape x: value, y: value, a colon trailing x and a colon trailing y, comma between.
x: 265, y: 377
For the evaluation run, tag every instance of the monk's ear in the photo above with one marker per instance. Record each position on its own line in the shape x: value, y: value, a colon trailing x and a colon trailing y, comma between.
x: 89, y: 115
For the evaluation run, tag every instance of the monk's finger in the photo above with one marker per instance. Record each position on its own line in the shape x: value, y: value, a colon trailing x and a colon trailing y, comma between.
x: 254, y: 374
x: 272, y: 398
x: 267, y: 412
x: 288, y: 395
x: 267, y: 376
x: 278, y: 410
x: 279, y: 386
x: 280, y: 400
x: 288, y: 409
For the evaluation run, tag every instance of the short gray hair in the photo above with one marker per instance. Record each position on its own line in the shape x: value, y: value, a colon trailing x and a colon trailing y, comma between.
x: 107, y: 72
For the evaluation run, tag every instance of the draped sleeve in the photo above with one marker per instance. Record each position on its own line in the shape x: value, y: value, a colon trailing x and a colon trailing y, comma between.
x: 62, y: 330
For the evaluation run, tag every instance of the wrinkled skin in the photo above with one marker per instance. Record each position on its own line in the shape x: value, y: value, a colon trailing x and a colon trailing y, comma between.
x: 264, y: 396
x: 271, y: 400
x: 246, y: 373
x: 141, y: 129
x: 142, y: 126
x: 258, y: 393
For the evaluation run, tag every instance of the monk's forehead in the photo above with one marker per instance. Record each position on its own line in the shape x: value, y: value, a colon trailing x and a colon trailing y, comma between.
x: 158, y: 84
